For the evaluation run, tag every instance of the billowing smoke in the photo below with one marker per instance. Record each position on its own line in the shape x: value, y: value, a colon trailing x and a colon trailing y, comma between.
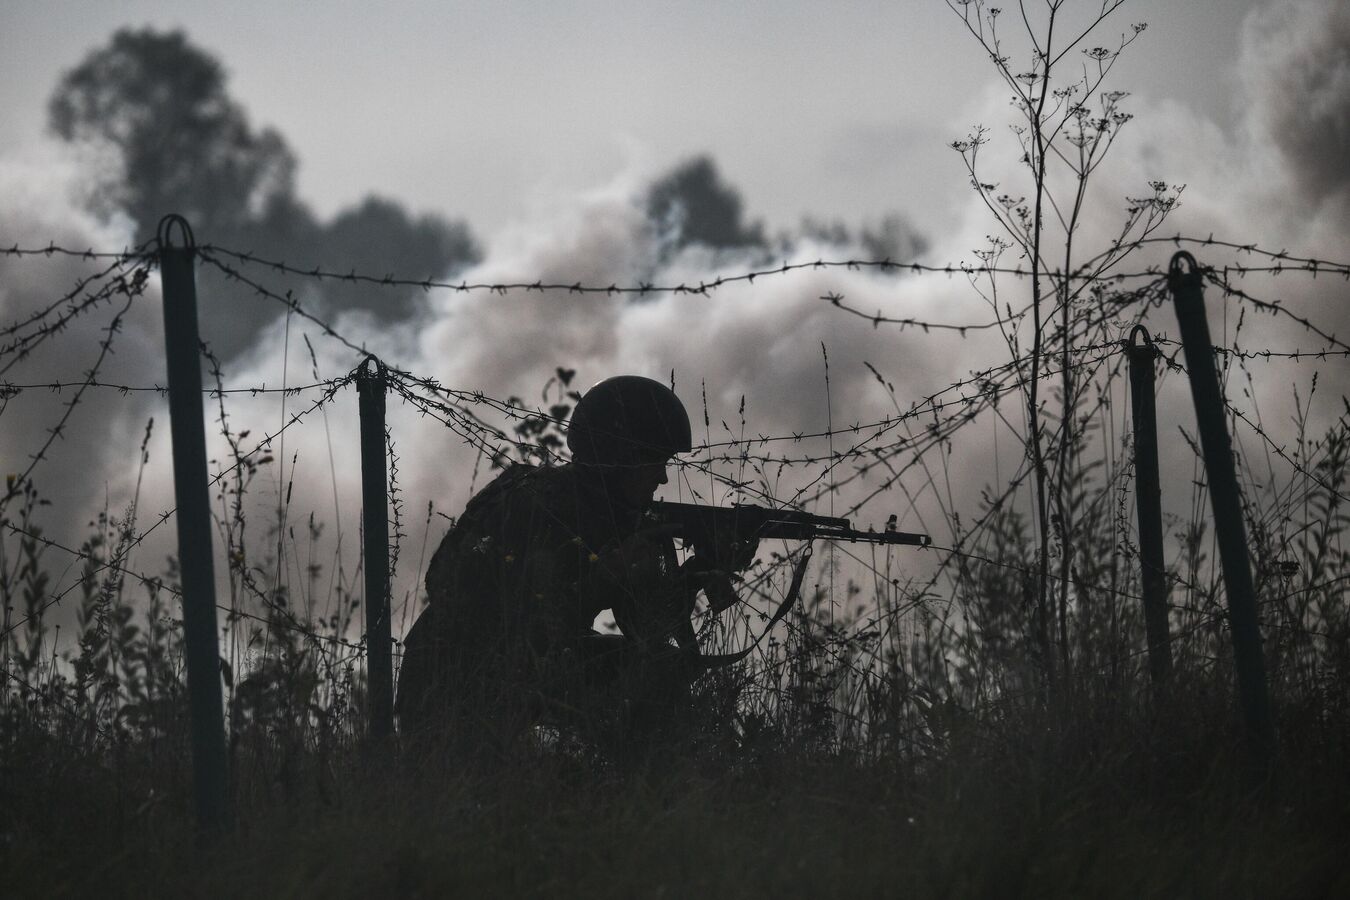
x: 765, y: 342
x: 761, y: 341
x: 91, y: 463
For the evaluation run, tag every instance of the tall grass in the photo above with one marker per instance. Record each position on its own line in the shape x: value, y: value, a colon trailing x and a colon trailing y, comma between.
x: 904, y: 741
x: 989, y: 730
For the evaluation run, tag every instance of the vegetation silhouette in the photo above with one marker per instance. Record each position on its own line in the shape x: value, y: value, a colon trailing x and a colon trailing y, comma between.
x: 990, y: 734
x: 160, y: 107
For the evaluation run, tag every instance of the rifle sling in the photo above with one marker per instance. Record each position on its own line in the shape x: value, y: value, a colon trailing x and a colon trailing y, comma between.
x: 721, y: 660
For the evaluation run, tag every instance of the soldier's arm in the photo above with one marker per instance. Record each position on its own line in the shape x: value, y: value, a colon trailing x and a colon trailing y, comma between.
x: 638, y: 580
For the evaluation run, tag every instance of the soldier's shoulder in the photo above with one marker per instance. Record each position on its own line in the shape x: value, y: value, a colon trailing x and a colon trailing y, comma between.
x: 491, y: 514
x: 552, y: 487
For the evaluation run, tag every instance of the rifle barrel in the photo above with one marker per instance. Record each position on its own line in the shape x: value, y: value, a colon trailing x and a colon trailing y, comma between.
x: 799, y: 531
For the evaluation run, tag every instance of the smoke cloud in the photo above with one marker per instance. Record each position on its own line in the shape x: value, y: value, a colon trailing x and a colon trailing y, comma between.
x: 761, y: 341
x: 1296, y: 71
x: 92, y: 464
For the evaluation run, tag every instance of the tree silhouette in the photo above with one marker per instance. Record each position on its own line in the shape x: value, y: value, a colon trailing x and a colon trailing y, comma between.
x: 160, y: 106
x: 180, y: 142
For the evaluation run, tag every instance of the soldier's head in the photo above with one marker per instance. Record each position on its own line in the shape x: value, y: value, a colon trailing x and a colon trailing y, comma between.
x: 629, y: 427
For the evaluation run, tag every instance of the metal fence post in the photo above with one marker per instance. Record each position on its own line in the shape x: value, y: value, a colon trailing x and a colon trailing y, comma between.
x: 370, y: 389
x: 1148, y: 505
x: 192, y: 496
x: 1187, y: 293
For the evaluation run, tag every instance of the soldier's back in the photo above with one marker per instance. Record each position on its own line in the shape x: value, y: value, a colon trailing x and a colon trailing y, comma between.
x: 502, y: 592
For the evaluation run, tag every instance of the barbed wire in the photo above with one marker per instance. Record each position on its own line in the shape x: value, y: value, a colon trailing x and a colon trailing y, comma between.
x: 154, y: 583
x: 994, y: 506
x: 289, y: 300
x: 877, y: 319
x: 1176, y: 364
x: 1261, y: 354
x: 54, y: 249
x: 1280, y: 451
x: 164, y: 516
x: 13, y: 389
x: 991, y: 388
x: 308, y: 632
x: 927, y: 405
x: 1157, y: 280
x: 477, y: 432
x: 1273, y: 307
x: 940, y: 431
x: 80, y: 285
x: 132, y: 290
x: 642, y: 289
x: 457, y: 417
x: 474, y: 428
x: 22, y: 346
x: 1281, y: 261
x: 835, y: 299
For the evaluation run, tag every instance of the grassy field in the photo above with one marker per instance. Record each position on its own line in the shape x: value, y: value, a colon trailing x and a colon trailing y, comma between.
x: 989, y: 731
x: 1098, y: 800
x: 919, y: 746
x: 913, y: 743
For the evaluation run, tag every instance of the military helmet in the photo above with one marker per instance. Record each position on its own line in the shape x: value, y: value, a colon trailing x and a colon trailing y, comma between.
x: 628, y: 420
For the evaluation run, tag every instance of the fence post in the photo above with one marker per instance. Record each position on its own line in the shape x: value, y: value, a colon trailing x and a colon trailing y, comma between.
x: 370, y: 389
x: 1148, y: 506
x: 1183, y: 281
x: 192, y: 497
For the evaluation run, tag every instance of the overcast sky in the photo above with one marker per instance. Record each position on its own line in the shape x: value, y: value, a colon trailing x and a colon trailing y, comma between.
x: 840, y: 109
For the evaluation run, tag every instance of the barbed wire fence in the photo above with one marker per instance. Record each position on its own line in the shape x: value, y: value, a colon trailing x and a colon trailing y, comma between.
x: 899, y: 444
x: 11, y: 389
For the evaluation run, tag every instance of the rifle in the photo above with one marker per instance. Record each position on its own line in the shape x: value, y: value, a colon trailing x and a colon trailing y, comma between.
x: 713, y: 527
x: 722, y: 535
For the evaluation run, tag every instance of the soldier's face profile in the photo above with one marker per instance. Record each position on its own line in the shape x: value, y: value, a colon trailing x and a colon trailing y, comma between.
x: 639, y: 483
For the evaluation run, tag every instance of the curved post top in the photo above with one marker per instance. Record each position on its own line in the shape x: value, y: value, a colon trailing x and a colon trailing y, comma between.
x: 164, y: 233
x: 1140, y: 341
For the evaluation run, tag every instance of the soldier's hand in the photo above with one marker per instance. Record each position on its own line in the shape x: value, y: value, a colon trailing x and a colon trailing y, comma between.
x: 714, y: 582
x: 636, y: 556
x: 637, y: 579
x: 728, y: 555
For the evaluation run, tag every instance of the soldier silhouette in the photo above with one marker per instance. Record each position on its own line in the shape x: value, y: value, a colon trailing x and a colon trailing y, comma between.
x: 506, y: 640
